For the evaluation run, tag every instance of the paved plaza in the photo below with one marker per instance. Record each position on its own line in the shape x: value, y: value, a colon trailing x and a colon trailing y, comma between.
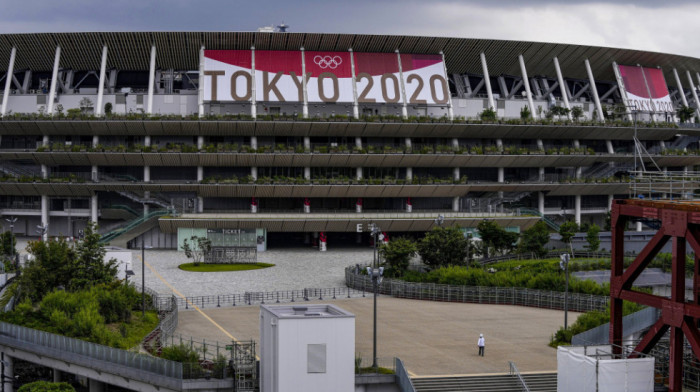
x: 432, y: 338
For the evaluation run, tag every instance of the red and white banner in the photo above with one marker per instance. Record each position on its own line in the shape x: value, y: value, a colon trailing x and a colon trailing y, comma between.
x: 646, y: 89
x: 278, y: 77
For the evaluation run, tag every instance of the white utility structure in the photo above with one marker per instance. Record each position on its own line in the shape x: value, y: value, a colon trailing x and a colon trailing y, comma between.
x: 596, y: 369
x: 308, y: 347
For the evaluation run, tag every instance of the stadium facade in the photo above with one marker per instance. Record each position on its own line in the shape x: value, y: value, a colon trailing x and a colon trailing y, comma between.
x: 270, y: 138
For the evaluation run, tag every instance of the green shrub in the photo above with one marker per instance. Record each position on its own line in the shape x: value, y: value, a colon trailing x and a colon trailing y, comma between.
x: 45, y: 386
x: 180, y: 353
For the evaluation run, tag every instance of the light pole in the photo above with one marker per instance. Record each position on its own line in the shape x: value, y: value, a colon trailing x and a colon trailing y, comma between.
x: 376, y: 275
x: 143, y: 277
x: 564, y: 264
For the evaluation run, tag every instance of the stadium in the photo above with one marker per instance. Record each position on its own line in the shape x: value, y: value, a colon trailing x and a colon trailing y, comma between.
x: 170, y: 134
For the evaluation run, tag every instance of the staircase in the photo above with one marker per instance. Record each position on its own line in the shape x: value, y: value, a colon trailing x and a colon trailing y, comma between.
x: 552, y: 224
x: 606, y: 169
x: 138, y: 226
x: 536, y: 382
x: 154, y: 199
x: 16, y: 170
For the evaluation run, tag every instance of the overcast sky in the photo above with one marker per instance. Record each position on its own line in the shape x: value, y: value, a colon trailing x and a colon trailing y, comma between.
x: 664, y: 26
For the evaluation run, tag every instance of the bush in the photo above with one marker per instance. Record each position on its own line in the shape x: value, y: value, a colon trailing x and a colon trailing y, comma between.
x: 443, y: 246
x: 398, y: 254
x: 45, y: 386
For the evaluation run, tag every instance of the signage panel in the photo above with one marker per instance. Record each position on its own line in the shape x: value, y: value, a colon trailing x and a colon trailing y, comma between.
x: 646, y: 89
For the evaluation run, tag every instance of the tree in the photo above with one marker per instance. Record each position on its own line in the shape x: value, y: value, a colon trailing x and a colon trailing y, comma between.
x: 525, y: 113
x: 443, y: 246
x: 567, y: 231
x: 576, y: 112
x: 685, y: 113
x: 534, y: 239
x: 89, y: 265
x: 496, y: 238
x: 201, y: 246
x: 398, y: 254
x: 592, y: 237
x: 108, y: 108
x: 8, y: 242
x: 488, y: 115
x: 560, y: 111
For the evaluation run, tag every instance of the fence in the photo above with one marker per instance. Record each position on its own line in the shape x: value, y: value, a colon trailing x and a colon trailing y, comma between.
x: 261, y: 298
x: 478, y: 294
x: 516, y: 373
x: 631, y: 323
x: 579, y: 254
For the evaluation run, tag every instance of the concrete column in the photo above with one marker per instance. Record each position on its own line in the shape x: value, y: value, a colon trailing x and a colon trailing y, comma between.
x: 409, y: 174
x: 562, y: 87
x: 146, y: 174
x: 93, y: 208
x: 146, y: 209
x: 99, y: 107
x: 355, y: 103
x: 694, y: 92
x: 662, y: 145
x: 45, y: 214
x: 455, y: 173
x: 499, y: 144
x: 253, y: 100
x: 307, y: 173
x: 577, y: 209
x: 577, y: 144
x: 147, y: 140
x: 56, y: 375
x: 305, y: 105
x: 45, y: 141
x: 95, y: 140
x: 9, y: 374
x: 455, y: 204
x: 254, y: 172
x: 501, y: 174
x: 54, y: 80
x: 609, y: 145
x: 358, y: 142
x: 594, y: 91
x: 44, y: 172
x: 152, y: 80
x: 358, y: 206
x: 254, y: 142
x: 200, y: 87
x: 541, y: 173
x: 200, y: 173
x: 307, y: 143
x: 487, y: 81
x: 579, y: 172
x: 680, y: 88
x: 358, y: 173
x: 200, y: 142
x: 610, y: 201
x: 402, y: 87
x: 638, y: 226
x: 8, y: 81
x: 95, y: 386
x: 450, y: 111
x: 540, y: 202
x: 540, y: 144
x: 526, y: 82
x: 409, y: 143
x: 455, y: 143
x: 200, y: 204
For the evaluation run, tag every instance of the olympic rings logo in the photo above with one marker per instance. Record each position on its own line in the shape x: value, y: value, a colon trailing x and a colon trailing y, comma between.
x: 331, y: 62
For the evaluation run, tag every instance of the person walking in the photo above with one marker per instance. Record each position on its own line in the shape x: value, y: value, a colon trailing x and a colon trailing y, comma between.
x: 481, y: 345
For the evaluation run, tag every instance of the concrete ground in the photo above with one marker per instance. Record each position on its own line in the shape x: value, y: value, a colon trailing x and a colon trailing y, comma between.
x: 432, y: 338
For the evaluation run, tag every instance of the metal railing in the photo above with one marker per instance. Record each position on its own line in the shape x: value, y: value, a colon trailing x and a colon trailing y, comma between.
x: 631, y: 323
x: 669, y: 185
x: 514, y: 372
x: 402, y: 377
x: 364, y: 365
x: 478, y: 294
x: 65, y: 348
x: 133, y: 224
x: 576, y: 254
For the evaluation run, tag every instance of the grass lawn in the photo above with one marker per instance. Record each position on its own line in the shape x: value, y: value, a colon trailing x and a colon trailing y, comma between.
x: 202, y: 267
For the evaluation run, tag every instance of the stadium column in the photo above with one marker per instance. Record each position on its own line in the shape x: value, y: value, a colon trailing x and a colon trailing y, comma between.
x: 254, y: 147
x: 54, y: 79
x: 8, y: 81
x: 680, y: 88
x: 95, y: 143
x: 577, y: 209
x: 93, y: 208
x: 355, y: 103
x: 562, y: 87
x: 540, y: 202
x: 450, y: 111
x: 253, y: 101
x: 594, y: 91
x: 101, y: 82
x: 610, y: 201
x: 45, y: 215
x: 305, y: 106
x: 200, y: 87
x: 358, y: 173
x: 694, y: 92
x: 526, y: 82
x: 9, y: 372
x: 404, y: 108
x: 44, y: 167
x: 151, y: 80
x: 501, y: 170
x: 541, y: 174
x: 200, y: 174
x: 579, y: 169
x: 609, y: 145
x: 487, y: 81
